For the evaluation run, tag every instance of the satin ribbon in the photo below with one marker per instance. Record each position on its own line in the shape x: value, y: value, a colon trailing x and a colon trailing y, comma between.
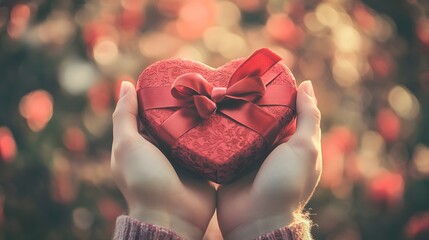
x: 248, y: 88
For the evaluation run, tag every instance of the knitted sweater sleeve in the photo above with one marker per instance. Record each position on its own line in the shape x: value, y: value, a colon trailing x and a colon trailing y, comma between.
x: 291, y: 232
x: 128, y: 228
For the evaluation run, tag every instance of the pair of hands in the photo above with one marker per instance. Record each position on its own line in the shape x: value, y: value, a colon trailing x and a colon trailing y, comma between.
x: 171, y: 197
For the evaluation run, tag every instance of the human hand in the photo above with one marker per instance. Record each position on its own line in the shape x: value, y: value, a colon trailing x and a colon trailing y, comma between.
x: 268, y: 199
x: 155, y: 191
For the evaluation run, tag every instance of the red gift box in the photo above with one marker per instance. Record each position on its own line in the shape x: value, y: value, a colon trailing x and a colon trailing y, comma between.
x: 219, y: 123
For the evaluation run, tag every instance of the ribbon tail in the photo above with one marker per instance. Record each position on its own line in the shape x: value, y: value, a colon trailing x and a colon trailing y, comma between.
x: 256, y: 65
x: 279, y: 95
x: 255, y: 118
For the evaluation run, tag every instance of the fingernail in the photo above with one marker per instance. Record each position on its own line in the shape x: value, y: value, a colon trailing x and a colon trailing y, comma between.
x: 308, y: 88
x: 124, y: 89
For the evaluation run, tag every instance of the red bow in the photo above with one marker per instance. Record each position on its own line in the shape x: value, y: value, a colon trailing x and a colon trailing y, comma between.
x: 248, y: 89
x: 194, y: 88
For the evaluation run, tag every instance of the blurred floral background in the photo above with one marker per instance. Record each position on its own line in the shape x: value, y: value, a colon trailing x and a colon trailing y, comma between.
x: 61, y: 63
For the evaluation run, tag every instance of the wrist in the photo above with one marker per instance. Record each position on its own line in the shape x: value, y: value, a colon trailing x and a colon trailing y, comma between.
x: 159, y: 218
x: 259, y: 226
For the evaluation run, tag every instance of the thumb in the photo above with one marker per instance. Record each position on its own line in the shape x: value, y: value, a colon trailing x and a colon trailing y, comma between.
x: 125, y: 115
x: 308, y: 118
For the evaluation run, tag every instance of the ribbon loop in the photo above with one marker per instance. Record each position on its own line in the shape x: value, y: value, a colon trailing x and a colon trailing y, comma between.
x: 248, y: 89
x: 205, y: 107
x: 189, y: 84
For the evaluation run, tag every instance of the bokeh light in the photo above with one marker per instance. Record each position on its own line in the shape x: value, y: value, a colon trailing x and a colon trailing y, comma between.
x: 100, y: 96
x: 56, y: 31
x: 388, y: 125
x: 387, y: 188
x: 249, y: 5
x: 312, y: 23
x: 82, y: 218
x: 74, y: 140
x: 421, y: 160
x: 281, y: 28
x: 418, y: 226
x: 105, y: 52
x: 158, y: 45
x: 63, y: 188
x: 37, y: 109
x: 76, y: 76
x: 194, y: 17
x: 327, y: 15
x: 229, y: 14
x: 7, y: 145
x: 403, y: 102
x: 19, y: 17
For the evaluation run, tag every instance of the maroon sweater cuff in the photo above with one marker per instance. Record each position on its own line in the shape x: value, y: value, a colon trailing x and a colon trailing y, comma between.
x: 279, y: 234
x: 291, y: 232
x: 128, y: 228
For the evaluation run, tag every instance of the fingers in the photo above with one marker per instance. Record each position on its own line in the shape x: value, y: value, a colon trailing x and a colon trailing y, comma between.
x: 124, y: 117
x: 307, y: 134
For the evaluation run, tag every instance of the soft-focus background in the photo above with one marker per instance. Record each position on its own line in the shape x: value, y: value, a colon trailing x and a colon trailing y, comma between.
x: 61, y: 62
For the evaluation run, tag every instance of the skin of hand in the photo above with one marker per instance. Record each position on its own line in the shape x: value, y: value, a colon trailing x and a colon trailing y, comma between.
x: 266, y: 200
x: 156, y: 192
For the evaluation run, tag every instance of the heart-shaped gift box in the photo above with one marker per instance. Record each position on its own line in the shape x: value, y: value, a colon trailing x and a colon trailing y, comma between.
x: 219, y: 123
